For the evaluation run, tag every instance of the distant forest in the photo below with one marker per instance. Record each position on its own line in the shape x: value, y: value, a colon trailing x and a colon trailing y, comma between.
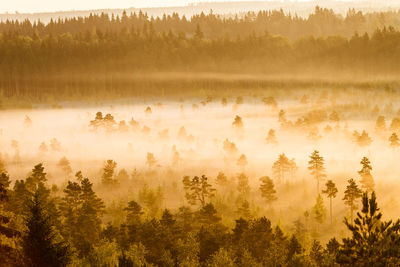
x: 37, y: 55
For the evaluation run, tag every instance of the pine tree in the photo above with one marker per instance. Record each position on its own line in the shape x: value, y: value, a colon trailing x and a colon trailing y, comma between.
x: 267, y: 189
x: 319, y: 210
x: 367, y: 181
x: 316, y: 166
x: 39, y: 243
x: 222, y: 180
x: 364, y: 139
x: 373, y: 242
x: 107, y: 177
x: 394, y: 140
x: 351, y: 194
x: 150, y: 160
x: 380, y: 124
x: 65, y: 166
x: 281, y: 167
x: 244, y: 210
x: 238, y: 122
x: 242, y: 161
x: 243, y: 186
x: 271, y: 138
x: 330, y: 191
x: 70, y: 207
x: 197, y: 189
x: 134, y: 211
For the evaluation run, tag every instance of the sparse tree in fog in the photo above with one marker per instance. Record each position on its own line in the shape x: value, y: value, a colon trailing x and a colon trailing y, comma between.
x: 319, y: 210
x: 282, y: 116
x: 367, y: 181
x: 330, y: 191
x: 270, y: 101
x: 364, y: 139
x: 222, y: 180
x: 148, y: 110
x: 243, y: 186
x: 292, y: 168
x: 230, y: 148
x: 395, y: 125
x: 281, y: 167
x: 27, y: 121
x: 316, y: 166
x: 197, y: 189
x: 107, y: 177
x: 65, y: 166
x: 242, y: 161
x: 373, y: 242
x: 43, y: 148
x: 239, y: 100
x: 394, y: 140
x: 237, y: 123
x: 55, y: 145
x: 271, y: 138
x: 380, y: 124
x: 351, y: 195
x: 267, y: 189
x: 134, y: 124
x: 150, y: 160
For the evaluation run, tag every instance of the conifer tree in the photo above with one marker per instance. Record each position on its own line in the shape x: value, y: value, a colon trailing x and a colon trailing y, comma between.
x: 319, y: 210
x: 394, y: 140
x: 271, y: 138
x: 281, y: 167
x: 134, y: 211
x: 238, y: 122
x: 351, y: 194
x: 316, y: 166
x: 380, y: 124
x: 267, y: 189
x: 373, y: 242
x: 39, y: 243
x: 243, y: 186
x: 242, y: 161
x: 197, y: 189
x: 107, y: 177
x: 367, y: 181
x: 330, y: 191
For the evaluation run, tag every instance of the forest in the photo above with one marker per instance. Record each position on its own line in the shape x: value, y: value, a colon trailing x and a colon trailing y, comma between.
x: 266, y: 139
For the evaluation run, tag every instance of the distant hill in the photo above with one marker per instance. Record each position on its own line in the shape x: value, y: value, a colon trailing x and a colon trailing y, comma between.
x: 223, y: 8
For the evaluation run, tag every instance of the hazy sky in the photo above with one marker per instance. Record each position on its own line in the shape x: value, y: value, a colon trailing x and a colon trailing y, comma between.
x: 57, y: 5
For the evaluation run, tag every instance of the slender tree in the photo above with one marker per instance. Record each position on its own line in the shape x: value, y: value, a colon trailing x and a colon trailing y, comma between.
x: 330, y: 191
x: 316, y: 166
x: 394, y: 140
x: 351, y: 194
x: 367, y: 181
x: 281, y: 167
x: 198, y: 189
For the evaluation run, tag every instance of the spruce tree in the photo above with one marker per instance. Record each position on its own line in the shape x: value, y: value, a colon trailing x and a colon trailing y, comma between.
x: 39, y: 243
x: 107, y: 177
x: 281, y: 167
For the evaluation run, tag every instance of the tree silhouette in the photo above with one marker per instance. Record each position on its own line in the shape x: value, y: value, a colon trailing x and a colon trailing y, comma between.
x: 319, y: 210
x: 330, y: 191
x: 197, y: 189
x: 242, y: 161
x: 107, y: 177
x: 281, y: 167
x: 367, y: 181
x: 271, y: 138
x: 267, y: 189
x: 39, y: 243
x: 238, y: 122
x: 394, y: 140
x: 316, y: 166
x: 351, y: 194
x: 373, y: 242
x: 243, y: 186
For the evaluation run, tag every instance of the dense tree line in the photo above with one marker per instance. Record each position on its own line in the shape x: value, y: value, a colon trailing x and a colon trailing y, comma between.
x: 39, y: 228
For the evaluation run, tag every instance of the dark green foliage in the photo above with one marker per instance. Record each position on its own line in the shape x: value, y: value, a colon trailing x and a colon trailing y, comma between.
x: 40, y: 244
x: 374, y: 242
